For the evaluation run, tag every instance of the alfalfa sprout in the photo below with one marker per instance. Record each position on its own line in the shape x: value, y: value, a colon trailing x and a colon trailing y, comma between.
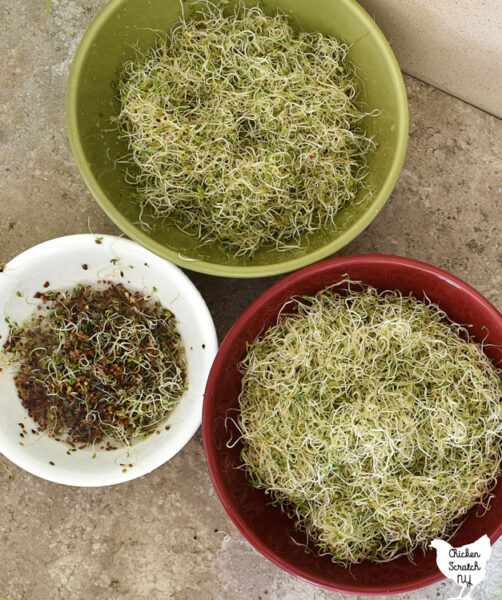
x: 372, y: 420
x: 242, y: 131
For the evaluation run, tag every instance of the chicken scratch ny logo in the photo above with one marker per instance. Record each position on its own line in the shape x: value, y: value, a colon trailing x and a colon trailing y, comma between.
x: 465, y: 565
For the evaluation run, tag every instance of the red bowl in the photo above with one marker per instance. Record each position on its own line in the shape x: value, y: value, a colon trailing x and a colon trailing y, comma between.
x: 267, y: 528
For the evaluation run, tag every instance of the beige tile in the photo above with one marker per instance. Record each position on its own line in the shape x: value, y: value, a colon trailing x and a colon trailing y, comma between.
x: 456, y: 45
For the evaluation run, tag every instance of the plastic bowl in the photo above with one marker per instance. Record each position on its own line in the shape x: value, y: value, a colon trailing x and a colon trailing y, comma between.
x: 267, y: 528
x: 59, y: 262
x: 91, y: 101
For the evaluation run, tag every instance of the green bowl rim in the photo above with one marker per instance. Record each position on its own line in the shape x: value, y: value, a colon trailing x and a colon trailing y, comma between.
x: 209, y: 268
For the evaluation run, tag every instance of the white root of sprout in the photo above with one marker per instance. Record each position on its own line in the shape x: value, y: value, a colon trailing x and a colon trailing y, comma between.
x: 243, y: 132
x: 372, y: 421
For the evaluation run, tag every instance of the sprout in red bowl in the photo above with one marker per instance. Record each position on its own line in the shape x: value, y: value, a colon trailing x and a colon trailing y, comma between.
x: 265, y: 526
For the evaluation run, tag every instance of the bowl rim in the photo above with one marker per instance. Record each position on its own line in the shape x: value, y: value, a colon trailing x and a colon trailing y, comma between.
x: 254, y: 309
x: 62, y: 245
x: 235, y: 271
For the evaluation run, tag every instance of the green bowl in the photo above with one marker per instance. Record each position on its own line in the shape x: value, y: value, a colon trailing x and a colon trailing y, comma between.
x: 91, y: 101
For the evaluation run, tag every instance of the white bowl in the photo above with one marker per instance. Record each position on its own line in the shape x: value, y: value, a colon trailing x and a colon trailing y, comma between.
x: 60, y: 262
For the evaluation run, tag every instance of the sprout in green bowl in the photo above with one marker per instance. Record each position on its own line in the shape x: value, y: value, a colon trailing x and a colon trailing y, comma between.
x: 242, y: 131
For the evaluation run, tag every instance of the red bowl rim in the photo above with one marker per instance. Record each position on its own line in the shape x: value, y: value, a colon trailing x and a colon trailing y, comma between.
x: 252, y: 310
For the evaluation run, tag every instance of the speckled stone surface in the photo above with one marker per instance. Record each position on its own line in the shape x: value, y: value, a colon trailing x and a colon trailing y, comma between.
x: 165, y: 536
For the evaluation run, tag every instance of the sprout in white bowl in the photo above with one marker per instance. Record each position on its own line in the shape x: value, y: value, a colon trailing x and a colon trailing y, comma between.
x: 110, y: 263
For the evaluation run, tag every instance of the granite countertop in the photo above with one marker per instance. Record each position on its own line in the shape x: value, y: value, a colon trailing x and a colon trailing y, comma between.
x: 166, y: 536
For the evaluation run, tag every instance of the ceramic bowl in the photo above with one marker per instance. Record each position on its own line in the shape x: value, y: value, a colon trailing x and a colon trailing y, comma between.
x: 266, y: 527
x: 123, y: 25
x: 64, y: 262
